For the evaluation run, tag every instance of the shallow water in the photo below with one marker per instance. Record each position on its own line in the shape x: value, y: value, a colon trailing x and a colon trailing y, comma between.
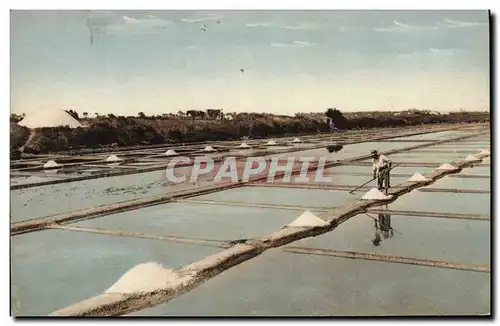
x: 286, y: 284
x: 477, y: 170
x: 205, y: 221
x: 443, y: 202
x: 367, y: 169
x: 283, y: 196
x: 60, y: 198
x: 464, y: 241
x: 349, y: 151
x: 52, y: 269
x: 436, y: 135
x: 462, y: 183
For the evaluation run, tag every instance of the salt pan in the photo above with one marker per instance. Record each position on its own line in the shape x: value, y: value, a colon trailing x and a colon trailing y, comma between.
x: 308, y: 219
x: 375, y: 194
x: 148, y: 277
x: 417, y: 177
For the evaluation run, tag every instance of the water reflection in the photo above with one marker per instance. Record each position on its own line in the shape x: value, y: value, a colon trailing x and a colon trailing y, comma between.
x: 383, y: 228
x: 334, y: 148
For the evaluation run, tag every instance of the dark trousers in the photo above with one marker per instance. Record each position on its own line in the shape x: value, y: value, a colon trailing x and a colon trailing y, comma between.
x: 383, y: 179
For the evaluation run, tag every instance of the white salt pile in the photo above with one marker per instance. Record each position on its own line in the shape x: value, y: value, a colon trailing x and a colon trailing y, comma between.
x: 296, y: 140
x: 271, y: 143
x: 50, y: 164
x: 49, y: 118
x: 417, y: 177
x: 472, y: 158
x: 170, y: 152
x: 485, y: 152
x: 446, y: 166
x: 147, y: 277
x: 113, y: 158
x: 244, y: 145
x: 307, y: 219
x: 375, y: 194
x: 209, y: 149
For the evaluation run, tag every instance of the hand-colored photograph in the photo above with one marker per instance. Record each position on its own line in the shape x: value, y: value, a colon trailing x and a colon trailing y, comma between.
x: 250, y: 163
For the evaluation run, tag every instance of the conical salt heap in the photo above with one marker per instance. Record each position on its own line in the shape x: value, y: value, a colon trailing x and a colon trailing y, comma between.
x: 375, y: 194
x: 446, y: 166
x: 307, y: 219
x: 417, y: 177
x: 209, y: 149
x: 296, y: 140
x: 147, y: 277
x: 244, y: 145
x: 170, y: 152
x: 271, y: 143
x: 472, y: 158
x: 485, y: 152
x: 113, y: 158
x: 50, y: 164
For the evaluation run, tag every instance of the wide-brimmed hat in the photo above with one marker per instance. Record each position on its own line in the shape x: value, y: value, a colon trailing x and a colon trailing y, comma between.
x: 374, y: 152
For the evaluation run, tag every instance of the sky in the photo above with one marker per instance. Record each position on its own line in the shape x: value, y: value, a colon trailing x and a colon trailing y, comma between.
x: 125, y: 62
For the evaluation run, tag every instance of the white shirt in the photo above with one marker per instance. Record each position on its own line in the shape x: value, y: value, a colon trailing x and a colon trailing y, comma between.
x: 381, y: 162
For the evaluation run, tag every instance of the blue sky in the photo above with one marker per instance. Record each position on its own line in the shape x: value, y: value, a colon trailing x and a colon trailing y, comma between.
x: 294, y: 61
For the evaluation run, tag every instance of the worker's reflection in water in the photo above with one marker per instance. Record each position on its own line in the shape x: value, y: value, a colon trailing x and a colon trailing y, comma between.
x: 383, y: 228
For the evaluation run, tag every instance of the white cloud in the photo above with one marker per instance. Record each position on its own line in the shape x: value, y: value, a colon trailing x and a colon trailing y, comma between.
x: 299, y: 26
x: 141, y: 25
x: 298, y: 44
x: 130, y: 20
x: 442, y: 51
x: 201, y: 19
x: 431, y: 51
x: 262, y: 24
x: 456, y: 23
x: 399, y: 27
x: 401, y: 24
x: 304, y: 26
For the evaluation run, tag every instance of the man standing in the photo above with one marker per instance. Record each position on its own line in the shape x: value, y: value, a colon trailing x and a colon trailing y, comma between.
x: 381, y: 169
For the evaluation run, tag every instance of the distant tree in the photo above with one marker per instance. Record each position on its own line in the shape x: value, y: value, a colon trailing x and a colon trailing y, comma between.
x: 96, y: 114
x: 74, y: 114
x: 15, y: 117
x: 337, y: 118
x: 111, y: 116
x: 85, y: 114
x: 141, y: 115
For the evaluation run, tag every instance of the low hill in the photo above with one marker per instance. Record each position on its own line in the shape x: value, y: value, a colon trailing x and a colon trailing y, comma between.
x: 112, y: 131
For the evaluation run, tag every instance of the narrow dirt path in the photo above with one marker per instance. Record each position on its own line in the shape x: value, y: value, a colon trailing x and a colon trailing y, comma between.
x: 28, y: 141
